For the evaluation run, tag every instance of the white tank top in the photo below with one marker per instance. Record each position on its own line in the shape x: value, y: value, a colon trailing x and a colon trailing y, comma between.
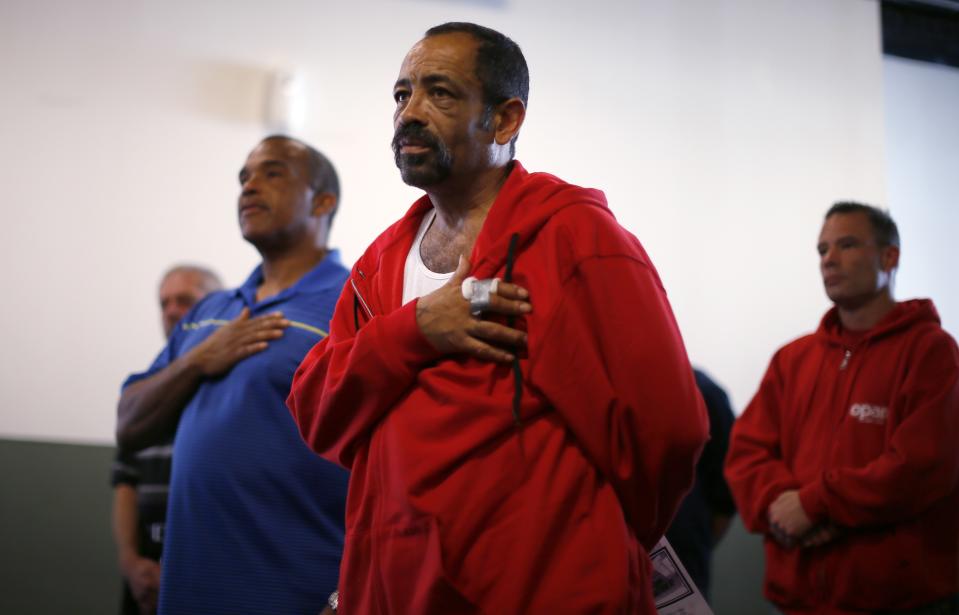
x: 417, y: 279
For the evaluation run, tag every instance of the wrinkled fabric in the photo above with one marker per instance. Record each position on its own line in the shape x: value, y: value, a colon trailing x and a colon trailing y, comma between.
x: 455, y: 507
x: 867, y: 429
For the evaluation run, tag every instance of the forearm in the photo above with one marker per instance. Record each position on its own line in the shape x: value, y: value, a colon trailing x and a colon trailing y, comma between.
x: 645, y: 436
x: 125, y: 518
x: 661, y: 466
x: 884, y: 492
x: 149, y: 409
x: 756, y: 478
x: 346, y: 383
x: 918, y: 467
x: 755, y: 469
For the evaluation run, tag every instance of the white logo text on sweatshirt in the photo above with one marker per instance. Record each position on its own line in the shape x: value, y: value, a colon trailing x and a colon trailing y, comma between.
x: 869, y: 413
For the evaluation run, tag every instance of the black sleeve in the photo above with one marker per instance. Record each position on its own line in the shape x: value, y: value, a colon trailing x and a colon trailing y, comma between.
x: 710, y: 468
x: 124, y: 470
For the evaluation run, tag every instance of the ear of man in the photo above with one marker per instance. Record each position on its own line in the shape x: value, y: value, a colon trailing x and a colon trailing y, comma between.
x: 889, y: 258
x: 323, y: 204
x: 508, y: 119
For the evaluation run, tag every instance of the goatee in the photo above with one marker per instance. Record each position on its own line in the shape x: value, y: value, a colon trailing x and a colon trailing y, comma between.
x: 425, y: 169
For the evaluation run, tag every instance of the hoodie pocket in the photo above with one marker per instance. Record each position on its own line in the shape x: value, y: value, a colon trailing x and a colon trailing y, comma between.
x: 881, y: 570
x: 787, y: 580
x: 404, y: 571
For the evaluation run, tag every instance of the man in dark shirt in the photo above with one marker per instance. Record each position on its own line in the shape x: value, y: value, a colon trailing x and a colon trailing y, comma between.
x: 704, y: 515
x: 141, y: 480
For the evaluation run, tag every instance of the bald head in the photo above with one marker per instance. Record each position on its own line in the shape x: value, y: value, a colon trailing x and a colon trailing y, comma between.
x: 180, y: 288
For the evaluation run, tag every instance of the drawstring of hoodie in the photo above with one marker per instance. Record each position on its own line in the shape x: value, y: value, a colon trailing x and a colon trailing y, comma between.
x: 510, y: 321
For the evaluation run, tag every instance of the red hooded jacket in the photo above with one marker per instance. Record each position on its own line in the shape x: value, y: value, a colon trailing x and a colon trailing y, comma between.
x: 455, y: 506
x: 868, y: 432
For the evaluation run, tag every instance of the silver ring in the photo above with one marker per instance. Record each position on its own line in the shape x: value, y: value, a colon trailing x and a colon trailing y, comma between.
x: 478, y: 293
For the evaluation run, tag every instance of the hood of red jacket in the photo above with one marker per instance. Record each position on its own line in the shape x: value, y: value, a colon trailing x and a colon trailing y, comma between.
x: 904, y: 314
x: 525, y: 202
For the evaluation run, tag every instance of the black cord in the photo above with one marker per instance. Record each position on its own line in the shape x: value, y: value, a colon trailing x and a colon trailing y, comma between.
x: 510, y: 321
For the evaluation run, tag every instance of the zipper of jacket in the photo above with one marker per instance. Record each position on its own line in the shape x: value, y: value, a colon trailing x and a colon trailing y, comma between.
x: 359, y: 296
x: 845, y: 360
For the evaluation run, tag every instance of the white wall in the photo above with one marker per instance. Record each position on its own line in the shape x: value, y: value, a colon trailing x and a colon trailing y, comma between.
x: 720, y: 131
x: 922, y: 179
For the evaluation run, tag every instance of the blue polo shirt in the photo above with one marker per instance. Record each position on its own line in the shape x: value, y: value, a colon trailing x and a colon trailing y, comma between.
x: 255, y: 518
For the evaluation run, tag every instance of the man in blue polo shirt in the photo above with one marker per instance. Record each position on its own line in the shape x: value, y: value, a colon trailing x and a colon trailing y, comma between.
x: 255, y: 519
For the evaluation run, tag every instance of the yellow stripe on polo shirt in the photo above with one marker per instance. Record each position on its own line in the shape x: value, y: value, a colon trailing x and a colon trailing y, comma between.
x: 218, y: 322
x: 310, y: 328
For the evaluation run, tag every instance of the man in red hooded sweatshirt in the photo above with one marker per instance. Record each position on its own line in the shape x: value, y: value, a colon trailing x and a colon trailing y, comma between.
x: 847, y: 458
x: 515, y: 446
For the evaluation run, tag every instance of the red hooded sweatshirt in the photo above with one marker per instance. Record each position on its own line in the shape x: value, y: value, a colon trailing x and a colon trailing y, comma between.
x: 867, y: 429
x: 468, y: 497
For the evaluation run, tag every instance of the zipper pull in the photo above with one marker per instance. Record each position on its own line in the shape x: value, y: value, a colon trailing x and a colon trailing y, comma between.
x: 845, y: 360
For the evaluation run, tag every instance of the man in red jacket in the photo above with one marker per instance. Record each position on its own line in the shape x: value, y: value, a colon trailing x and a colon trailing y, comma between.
x: 847, y: 458
x: 516, y: 446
